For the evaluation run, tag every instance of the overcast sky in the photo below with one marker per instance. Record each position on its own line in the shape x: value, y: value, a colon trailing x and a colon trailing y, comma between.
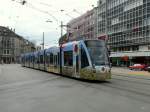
x: 29, y: 20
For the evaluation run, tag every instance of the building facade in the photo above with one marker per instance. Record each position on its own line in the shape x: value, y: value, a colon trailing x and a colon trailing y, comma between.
x: 125, y: 24
x: 82, y: 27
x: 12, y: 46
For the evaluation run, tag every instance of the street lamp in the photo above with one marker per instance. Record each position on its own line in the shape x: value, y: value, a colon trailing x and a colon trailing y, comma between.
x: 23, y: 2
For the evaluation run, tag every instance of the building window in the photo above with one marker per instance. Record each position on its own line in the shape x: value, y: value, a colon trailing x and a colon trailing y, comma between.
x: 7, y: 51
x: 4, y: 51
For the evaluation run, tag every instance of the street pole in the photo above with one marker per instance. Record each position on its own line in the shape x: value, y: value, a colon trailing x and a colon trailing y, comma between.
x: 61, y: 27
x: 43, y: 41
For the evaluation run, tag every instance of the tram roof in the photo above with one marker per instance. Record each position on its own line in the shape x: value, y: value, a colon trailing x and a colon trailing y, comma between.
x: 41, y: 52
x: 52, y: 50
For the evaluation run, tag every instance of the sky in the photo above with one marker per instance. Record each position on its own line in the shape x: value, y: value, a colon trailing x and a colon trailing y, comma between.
x: 30, y: 19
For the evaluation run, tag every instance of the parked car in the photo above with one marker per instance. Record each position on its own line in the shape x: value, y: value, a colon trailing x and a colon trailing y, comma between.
x: 138, y: 67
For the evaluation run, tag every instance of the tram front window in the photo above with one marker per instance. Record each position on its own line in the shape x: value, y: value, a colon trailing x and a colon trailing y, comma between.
x: 98, y: 52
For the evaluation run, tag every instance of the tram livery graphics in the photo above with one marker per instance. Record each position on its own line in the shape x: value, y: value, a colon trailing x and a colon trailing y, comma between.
x: 80, y: 59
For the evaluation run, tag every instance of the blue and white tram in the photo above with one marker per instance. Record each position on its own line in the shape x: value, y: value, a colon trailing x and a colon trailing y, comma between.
x: 52, y: 60
x: 31, y: 60
x: 85, y: 59
x: 22, y: 60
x: 27, y: 60
x: 41, y: 59
x: 36, y: 60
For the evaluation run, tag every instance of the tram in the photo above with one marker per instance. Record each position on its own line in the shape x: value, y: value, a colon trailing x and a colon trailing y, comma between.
x: 85, y: 59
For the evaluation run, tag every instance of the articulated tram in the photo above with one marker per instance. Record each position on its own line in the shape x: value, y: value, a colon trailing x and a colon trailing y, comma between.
x: 85, y: 59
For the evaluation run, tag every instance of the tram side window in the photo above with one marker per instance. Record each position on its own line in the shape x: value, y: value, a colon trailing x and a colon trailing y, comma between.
x: 36, y: 60
x: 51, y: 58
x: 41, y: 58
x: 55, y: 59
x: 68, y: 58
x: 47, y: 59
x: 84, y: 59
x: 33, y: 59
x: 58, y: 56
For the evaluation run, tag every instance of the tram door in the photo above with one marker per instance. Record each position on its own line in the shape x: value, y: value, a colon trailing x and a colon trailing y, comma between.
x: 77, y: 64
x: 76, y: 60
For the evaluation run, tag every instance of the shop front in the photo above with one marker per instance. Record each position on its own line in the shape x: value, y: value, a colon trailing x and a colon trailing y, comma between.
x: 126, y: 59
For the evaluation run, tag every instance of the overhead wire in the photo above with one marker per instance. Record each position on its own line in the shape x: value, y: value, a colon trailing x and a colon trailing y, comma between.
x: 42, y: 11
x: 45, y: 4
x: 30, y: 5
x: 46, y: 12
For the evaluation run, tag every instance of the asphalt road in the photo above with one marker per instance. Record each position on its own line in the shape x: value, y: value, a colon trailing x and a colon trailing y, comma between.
x: 29, y: 90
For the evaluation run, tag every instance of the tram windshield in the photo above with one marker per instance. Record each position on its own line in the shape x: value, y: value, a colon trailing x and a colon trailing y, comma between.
x: 98, y: 52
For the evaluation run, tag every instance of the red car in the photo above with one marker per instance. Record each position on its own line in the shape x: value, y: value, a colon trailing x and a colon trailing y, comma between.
x: 138, y: 67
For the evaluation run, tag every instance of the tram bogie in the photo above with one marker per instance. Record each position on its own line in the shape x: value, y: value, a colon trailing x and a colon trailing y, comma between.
x: 80, y: 59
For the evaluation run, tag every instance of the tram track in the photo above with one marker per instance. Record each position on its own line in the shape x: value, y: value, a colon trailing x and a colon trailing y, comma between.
x: 131, y: 92
x: 116, y: 86
x: 124, y: 75
x: 135, y: 85
x: 136, y: 90
x: 125, y: 88
x: 122, y: 91
x: 130, y: 80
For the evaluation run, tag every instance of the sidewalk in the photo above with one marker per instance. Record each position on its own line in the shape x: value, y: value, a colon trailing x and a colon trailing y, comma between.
x: 125, y: 70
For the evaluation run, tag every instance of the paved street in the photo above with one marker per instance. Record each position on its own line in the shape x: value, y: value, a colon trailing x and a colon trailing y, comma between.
x: 29, y: 90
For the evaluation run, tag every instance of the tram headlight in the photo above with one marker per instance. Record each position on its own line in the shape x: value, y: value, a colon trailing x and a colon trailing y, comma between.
x: 103, y: 70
